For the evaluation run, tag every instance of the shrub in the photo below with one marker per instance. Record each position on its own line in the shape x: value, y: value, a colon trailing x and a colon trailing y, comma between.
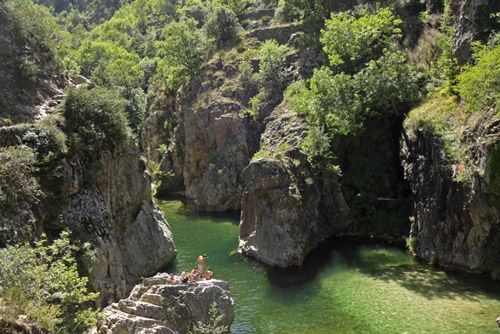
x: 272, y: 67
x: 213, y: 326
x: 351, y: 41
x: 246, y: 73
x: 479, y: 85
x: 311, y: 11
x: 44, y: 284
x: 222, y: 25
x: 95, y: 118
x: 17, y: 178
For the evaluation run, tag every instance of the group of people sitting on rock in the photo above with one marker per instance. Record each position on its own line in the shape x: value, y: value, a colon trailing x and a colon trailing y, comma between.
x: 200, y: 273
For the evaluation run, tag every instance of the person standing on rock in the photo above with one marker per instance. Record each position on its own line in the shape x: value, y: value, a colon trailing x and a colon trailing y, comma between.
x: 201, y: 265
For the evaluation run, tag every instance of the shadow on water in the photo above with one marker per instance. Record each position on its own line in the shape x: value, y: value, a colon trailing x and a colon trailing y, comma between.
x: 186, y: 207
x: 384, y: 263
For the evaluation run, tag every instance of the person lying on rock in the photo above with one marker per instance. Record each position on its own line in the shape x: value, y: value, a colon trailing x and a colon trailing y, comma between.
x: 186, y: 277
x: 208, y: 274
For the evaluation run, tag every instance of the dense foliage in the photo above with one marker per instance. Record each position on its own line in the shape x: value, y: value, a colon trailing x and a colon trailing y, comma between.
x: 95, y: 119
x: 479, y: 85
x: 17, y: 178
x: 43, y: 283
x: 367, y: 77
x: 351, y: 41
x: 222, y: 25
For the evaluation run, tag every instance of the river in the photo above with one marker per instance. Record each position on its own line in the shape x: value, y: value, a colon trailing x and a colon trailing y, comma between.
x: 343, y: 287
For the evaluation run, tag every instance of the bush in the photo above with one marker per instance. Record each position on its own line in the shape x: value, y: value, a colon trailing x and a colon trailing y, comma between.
x: 17, y: 178
x: 351, y: 41
x: 479, y: 85
x: 180, y: 53
x: 311, y: 11
x: 246, y: 74
x: 44, y: 284
x: 272, y: 67
x: 222, y: 25
x: 95, y: 119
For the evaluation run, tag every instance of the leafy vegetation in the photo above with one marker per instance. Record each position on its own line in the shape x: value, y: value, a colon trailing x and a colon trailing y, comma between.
x: 479, y: 85
x: 43, y: 283
x: 379, y: 82
x: 182, y: 51
x: 18, y: 181
x: 350, y: 41
x: 222, y: 24
x: 95, y: 119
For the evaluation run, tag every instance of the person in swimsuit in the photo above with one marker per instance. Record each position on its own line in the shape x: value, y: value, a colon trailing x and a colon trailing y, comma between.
x: 201, y: 265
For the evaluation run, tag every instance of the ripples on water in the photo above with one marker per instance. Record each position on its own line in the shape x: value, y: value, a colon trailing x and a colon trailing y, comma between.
x: 343, y: 287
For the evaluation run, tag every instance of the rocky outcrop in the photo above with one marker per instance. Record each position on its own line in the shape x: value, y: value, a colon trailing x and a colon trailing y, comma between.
x: 288, y: 207
x: 115, y: 212
x: 472, y: 21
x: 457, y: 213
x: 157, y: 306
x: 210, y: 136
x: 105, y: 201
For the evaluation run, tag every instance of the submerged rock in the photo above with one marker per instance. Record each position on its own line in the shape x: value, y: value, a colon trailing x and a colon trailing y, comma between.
x: 157, y: 306
x: 288, y: 206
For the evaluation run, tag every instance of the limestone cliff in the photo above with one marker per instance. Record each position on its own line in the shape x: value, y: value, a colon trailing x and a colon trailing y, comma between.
x: 205, y: 128
x: 457, y: 208
x: 157, y: 306
x: 288, y: 206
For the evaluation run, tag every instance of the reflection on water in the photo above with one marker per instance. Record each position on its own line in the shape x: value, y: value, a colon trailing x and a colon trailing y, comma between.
x: 343, y: 286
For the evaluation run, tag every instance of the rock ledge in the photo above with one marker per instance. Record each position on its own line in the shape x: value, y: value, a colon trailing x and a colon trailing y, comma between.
x: 157, y: 307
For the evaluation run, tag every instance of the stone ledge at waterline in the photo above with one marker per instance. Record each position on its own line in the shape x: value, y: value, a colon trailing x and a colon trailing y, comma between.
x: 157, y: 307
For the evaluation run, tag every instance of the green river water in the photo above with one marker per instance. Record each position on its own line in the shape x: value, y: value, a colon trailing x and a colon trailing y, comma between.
x: 342, y: 288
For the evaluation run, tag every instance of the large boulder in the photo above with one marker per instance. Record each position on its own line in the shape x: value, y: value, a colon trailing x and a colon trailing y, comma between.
x: 288, y: 206
x: 159, y: 307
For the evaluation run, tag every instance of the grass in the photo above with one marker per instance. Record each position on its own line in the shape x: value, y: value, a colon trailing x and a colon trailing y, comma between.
x: 442, y: 116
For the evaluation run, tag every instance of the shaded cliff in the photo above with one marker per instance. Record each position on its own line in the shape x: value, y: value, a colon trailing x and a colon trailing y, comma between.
x: 457, y: 217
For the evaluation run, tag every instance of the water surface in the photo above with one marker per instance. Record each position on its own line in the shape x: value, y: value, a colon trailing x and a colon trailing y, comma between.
x: 343, y: 287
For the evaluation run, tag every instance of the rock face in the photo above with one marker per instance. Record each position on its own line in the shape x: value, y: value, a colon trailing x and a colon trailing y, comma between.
x: 209, y: 135
x: 457, y: 223
x: 156, y: 306
x: 116, y: 214
x: 288, y: 206
x: 471, y: 21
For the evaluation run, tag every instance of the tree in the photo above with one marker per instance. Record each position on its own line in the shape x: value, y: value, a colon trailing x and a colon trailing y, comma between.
x: 351, y: 41
x: 221, y: 24
x: 272, y: 66
x: 181, y: 51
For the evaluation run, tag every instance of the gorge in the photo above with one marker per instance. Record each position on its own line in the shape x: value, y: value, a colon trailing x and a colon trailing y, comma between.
x: 310, y: 141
